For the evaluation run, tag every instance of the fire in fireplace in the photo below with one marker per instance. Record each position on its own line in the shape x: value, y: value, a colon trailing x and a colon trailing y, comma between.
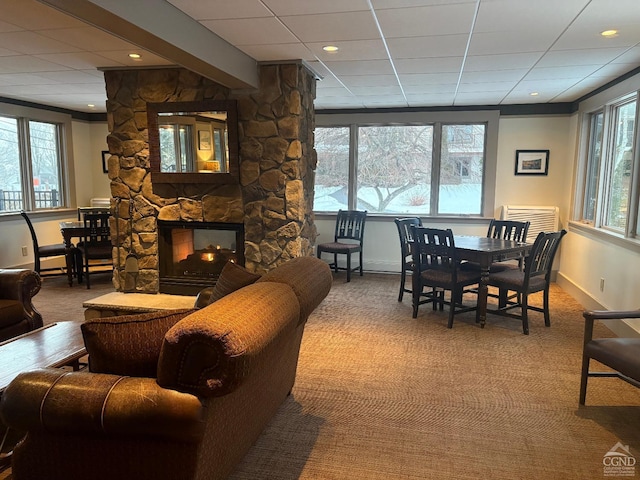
x: 192, y: 254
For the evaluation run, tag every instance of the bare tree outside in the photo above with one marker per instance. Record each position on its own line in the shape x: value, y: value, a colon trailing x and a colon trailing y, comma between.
x: 395, y: 169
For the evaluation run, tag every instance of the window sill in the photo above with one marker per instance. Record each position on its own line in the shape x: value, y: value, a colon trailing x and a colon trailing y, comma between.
x: 608, y: 236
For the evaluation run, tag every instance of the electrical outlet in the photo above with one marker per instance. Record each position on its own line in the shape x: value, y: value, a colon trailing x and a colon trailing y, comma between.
x: 602, y: 284
x: 24, y: 251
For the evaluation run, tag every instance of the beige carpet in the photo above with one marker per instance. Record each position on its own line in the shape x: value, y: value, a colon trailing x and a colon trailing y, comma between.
x: 380, y: 395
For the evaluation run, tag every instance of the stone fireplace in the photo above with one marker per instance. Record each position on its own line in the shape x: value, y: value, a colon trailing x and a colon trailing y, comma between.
x: 191, y: 255
x: 273, y: 199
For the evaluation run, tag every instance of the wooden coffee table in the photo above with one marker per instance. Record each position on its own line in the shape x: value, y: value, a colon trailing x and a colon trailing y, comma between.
x: 55, y: 345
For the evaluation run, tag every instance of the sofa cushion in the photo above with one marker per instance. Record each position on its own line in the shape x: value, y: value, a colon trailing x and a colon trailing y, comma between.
x: 128, y: 344
x: 11, y: 312
x: 233, y: 277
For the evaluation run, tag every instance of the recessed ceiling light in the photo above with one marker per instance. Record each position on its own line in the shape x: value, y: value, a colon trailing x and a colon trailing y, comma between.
x: 609, y: 33
x: 91, y: 105
x: 135, y: 56
x: 330, y: 48
x: 534, y: 94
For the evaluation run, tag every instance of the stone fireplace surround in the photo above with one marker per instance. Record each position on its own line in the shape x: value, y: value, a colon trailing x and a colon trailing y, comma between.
x: 273, y: 199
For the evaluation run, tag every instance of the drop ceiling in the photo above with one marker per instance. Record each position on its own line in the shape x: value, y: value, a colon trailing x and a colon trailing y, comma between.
x: 392, y: 53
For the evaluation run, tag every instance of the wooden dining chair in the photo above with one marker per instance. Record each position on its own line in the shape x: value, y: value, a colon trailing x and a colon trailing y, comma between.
x: 438, y: 269
x: 406, y: 238
x: 96, y: 244
x: 536, y: 277
x: 46, y: 251
x: 347, y: 240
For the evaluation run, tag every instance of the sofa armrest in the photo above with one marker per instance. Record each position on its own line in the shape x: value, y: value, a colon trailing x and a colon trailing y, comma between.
x: 101, y: 404
x: 213, y: 350
x: 22, y: 285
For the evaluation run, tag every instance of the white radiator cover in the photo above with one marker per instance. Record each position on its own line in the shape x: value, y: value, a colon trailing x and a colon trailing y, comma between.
x: 543, y: 219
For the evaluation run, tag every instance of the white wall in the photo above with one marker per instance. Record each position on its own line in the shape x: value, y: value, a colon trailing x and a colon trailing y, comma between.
x: 555, y: 133
x: 588, y: 255
x: 89, y: 181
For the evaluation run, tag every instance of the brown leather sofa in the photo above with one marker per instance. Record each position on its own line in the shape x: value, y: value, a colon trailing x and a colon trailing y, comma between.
x: 17, y: 313
x: 204, y: 390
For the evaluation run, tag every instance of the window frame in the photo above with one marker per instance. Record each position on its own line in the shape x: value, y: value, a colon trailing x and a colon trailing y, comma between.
x: 490, y: 118
x: 62, y: 122
x: 609, y: 109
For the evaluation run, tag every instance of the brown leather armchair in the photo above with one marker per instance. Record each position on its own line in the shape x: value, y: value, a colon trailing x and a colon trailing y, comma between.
x: 17, y: 313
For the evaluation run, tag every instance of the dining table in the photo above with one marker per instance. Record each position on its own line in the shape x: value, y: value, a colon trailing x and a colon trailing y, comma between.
x: 484, y: 251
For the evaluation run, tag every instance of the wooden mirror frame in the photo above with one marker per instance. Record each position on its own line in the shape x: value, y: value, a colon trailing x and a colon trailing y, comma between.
x: 229, y: 106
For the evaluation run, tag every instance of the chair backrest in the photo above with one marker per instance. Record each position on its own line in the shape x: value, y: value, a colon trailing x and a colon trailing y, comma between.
x: 540, y: 259
x: 97, y: 229
x: 350, y: 225
x: 406, y: 234
x: 433, y: 248
x: 34, y: 239
x: 508, y: 230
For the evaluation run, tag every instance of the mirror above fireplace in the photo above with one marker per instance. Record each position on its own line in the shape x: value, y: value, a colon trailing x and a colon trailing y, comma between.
x: 193, y: 142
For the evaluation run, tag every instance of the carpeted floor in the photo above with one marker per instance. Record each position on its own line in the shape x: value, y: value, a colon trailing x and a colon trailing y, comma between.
x: 380, y: 395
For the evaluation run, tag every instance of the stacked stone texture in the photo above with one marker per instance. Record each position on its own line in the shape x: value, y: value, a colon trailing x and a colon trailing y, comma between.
x: 274, y: 199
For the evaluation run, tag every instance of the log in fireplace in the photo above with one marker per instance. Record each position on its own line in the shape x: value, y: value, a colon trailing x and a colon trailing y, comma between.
x: 191, y: 255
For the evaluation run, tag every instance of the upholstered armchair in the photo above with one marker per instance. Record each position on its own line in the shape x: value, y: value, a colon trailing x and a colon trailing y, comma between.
x: 17, y: 313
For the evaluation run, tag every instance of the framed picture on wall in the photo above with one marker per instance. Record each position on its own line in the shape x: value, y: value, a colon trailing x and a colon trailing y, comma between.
x: 204, y: 140
x: 105, y: 161
x: 532, y: 162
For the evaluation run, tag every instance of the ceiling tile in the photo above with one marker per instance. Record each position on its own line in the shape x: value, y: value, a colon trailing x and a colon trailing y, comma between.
x: 591, y: 56
x: 428, y: 78
x: 506, y: 61
x: 428, y: 65
x: 490, y: 87
x: 631, y: 55
x: 351, y: 50
x: 430, y: 99
x: 428, y: 47
x: 222, y: 9
x: 79, y: 60
x: 436, y: 88
x: 575, y: 38
x: 573, y: 71
x: 251, y: 31
x: 296, y: 7
x: 369, y: 80
x: 509, y: 42
x: 494, y: 76
x: 33, y: 15
x: 32, y: 43
x: 333, y: 27
x: 478, y: 99
x: 86, y: 38
x: 450, y: 19
x: 27, y: 64
x: 364, y: 67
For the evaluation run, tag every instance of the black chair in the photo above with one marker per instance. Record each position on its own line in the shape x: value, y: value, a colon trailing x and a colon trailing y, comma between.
x: 46, y: 251
x: 406, y: 238
x: 536, y: 277
x: 96, y: 243
x: 620, y: 354
x: 437, y: 267
x: 348, y: 239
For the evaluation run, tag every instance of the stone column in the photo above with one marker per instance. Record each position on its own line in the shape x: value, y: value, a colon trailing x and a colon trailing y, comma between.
x: 277, y: 164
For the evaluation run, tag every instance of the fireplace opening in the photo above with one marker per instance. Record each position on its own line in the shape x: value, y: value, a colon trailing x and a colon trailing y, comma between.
x: 191, y: 255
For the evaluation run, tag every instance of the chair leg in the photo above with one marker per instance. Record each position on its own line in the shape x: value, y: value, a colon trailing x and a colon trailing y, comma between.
x: 583, y: 379
x: 86, y: 272
x: 348, y: 267
x: 361, y: 262
x: 452, y: 308
x: 403, y: 276
x: 525, y: 316
x: 335, y: 263
x: 415, y: 298
x: 502, y: 297
x: 547, y: 319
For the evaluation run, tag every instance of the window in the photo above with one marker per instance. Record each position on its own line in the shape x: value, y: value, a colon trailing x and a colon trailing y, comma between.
x: 410, y: 169
x: 31, y: 165
x: 610, y: 163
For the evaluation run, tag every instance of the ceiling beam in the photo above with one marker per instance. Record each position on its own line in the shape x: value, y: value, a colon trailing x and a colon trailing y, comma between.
x: 160, y: 28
